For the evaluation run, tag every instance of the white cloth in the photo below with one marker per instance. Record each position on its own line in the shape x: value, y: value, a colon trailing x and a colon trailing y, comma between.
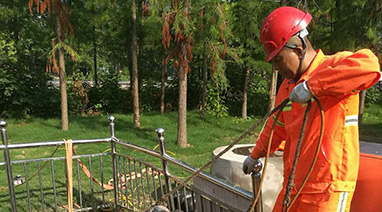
x: 300, y: 93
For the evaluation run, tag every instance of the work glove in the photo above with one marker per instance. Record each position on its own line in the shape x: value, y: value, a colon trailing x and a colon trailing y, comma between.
x: 300, y: 93
x: 249, y: 164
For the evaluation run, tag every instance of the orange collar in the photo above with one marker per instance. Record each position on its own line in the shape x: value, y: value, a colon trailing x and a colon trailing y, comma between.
x: 313, y: 65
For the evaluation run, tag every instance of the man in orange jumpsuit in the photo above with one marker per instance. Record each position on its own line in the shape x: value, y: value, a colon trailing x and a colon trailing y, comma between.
x: 335, y: 81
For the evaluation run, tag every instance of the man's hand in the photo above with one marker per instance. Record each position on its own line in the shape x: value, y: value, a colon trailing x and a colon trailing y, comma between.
x: 300, y: 93
x: 249, y: 164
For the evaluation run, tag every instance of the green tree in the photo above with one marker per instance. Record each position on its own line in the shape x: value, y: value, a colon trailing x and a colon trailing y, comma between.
x: 247, y: 17
x: 63, y: 24
x: 23, y: 82
x: 212, y: 43
x: 181, y: 54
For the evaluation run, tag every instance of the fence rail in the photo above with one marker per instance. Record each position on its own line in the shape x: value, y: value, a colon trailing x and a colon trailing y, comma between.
x: 103, y: 181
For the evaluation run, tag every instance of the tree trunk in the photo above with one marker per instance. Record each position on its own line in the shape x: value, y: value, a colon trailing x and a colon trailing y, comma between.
x: 204, y: 85
x: 64, y: 96
x: 163, y: 77
x: 182, y: 108
x: 95, y: 57
x: 362, y: 97
x: 245, y: 93
x: 272, y: 90
x: 134, y: 78
x: 162, y: 86
x: 140, y: 54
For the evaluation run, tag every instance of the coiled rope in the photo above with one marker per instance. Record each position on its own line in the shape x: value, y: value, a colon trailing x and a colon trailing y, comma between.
x: 286, y: 203
x: 314, y: 158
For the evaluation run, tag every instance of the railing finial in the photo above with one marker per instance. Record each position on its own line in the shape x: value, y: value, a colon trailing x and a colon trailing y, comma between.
x: 160, y: 132
x: 3, y: 124
x: 111, y: 119
x: 111, y: 124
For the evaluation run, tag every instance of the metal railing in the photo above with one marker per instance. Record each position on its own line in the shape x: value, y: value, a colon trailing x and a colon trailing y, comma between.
x: 134, y: 185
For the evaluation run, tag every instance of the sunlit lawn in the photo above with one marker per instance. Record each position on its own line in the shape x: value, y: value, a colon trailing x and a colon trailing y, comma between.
x: 204, y: 135
x: 371, y: 127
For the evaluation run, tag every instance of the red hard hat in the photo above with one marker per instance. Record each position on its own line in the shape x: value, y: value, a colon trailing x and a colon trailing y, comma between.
x: 281, y: 25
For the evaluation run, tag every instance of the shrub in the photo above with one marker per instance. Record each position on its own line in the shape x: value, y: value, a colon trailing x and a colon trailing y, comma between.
x: 374, y: 95
x: 25, y: 92
x: 111, y: 97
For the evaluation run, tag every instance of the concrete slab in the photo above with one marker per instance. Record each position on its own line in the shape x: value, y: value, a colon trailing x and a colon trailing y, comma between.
x: 229, y: 168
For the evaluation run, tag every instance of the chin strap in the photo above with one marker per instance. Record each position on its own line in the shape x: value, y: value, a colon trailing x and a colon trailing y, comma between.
x: 302, y: 56
x: 302, y: 34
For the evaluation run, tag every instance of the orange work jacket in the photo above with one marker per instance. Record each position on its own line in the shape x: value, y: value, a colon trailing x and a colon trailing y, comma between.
x: 336, y: 81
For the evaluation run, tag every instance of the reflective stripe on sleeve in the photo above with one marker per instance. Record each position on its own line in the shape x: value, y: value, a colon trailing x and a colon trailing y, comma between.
x: 351, y: 120
x: 342, y: 201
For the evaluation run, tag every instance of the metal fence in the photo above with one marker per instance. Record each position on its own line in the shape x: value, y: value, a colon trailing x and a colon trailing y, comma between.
x: 111, y: 181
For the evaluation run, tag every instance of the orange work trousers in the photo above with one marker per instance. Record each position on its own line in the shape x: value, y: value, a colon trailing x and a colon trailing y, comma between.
x: 321, y: 202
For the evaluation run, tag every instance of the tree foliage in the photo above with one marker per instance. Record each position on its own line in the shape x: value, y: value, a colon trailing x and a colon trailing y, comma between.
x: 225, y: 33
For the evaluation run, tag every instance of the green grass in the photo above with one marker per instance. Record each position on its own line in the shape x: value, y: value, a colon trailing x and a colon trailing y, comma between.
x: 203, y: 136
x: 371, y: 127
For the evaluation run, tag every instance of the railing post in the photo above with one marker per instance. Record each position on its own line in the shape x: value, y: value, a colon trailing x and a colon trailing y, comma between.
x: 114, y: 161
x: 256, y: 176
x: 162, y: 145
x: 8, y: 167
